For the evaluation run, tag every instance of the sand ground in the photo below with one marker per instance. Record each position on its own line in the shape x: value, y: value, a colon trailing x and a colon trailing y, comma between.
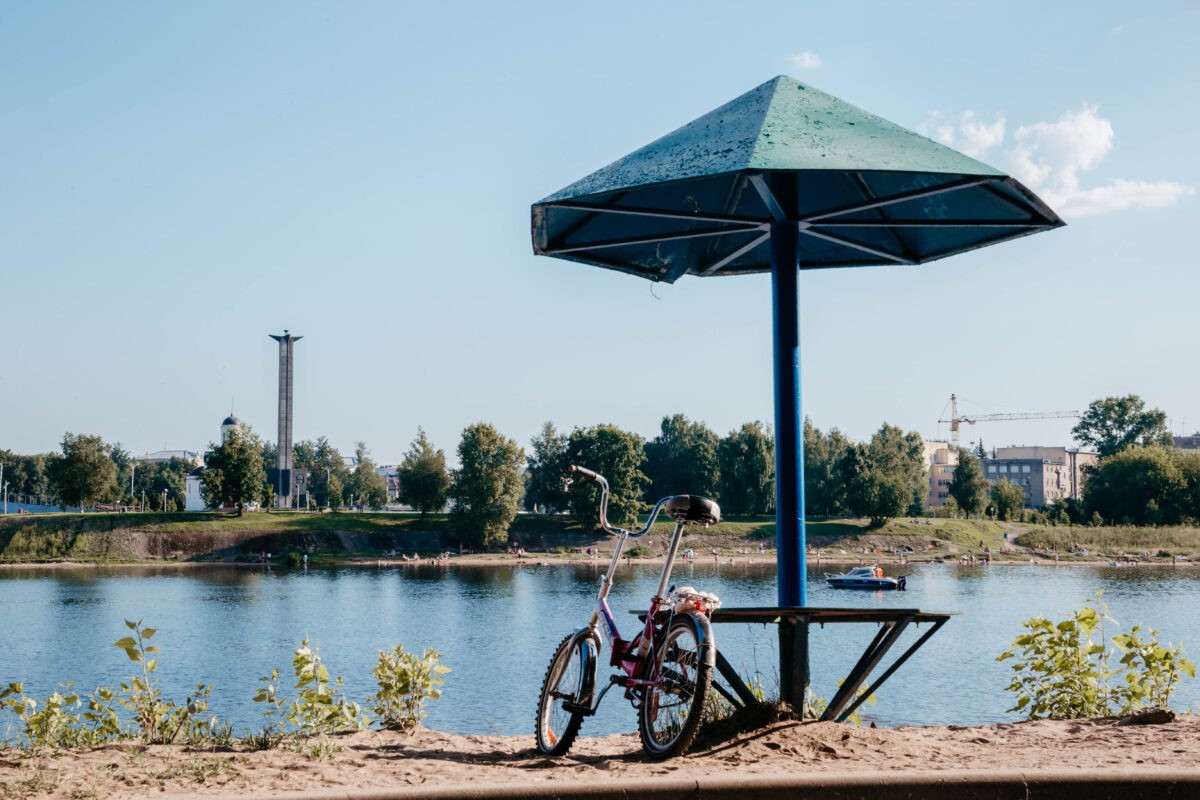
x: 383, y: 760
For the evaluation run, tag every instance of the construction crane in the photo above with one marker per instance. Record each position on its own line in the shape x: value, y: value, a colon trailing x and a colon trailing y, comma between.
x: 955, y: 419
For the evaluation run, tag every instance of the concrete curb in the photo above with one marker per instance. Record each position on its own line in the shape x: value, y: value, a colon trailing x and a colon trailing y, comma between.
x: 1148, y: 784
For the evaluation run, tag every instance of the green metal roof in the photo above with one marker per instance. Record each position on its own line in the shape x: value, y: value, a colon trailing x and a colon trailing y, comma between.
x: 781, y: 125
x: 863, y: 191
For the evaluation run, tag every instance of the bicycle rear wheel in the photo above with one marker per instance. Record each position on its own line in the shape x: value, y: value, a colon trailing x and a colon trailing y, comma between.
x: 567, y: 685
x: 673, y: 708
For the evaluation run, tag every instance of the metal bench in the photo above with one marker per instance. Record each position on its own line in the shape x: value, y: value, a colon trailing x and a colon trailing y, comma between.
x: 793, y: 625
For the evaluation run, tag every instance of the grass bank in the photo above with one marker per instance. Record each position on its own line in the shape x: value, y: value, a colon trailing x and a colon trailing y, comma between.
x: 132, y: 538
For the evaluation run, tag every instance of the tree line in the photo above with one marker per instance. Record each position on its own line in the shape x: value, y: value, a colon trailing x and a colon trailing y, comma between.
x: 89, y: 471
x: 496, y: 477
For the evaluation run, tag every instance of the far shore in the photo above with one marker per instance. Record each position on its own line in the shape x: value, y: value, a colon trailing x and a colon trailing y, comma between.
x: 402, y: 539
x: 890, y: 562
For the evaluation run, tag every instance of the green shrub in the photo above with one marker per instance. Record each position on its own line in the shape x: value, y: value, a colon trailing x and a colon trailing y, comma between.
x: 1062, y: 672
x: 159, y: 721
x: 406, y: 681
x: 320, y: 706
x: 55, y: 726
x: 1152, y: 670
x: 66, y: 719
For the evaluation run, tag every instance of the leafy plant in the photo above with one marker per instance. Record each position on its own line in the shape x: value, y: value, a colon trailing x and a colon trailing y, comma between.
x: 100, y: 718
x: 276, y: 713
x: 320, y: 707
x: 406, y: 681
x: 54, y: 726
x: 1152, y: 669
x: 159, y: 721
x: 1061, y: 671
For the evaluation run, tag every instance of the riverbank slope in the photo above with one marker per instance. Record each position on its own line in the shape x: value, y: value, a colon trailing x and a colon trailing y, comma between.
x: 349, y: 537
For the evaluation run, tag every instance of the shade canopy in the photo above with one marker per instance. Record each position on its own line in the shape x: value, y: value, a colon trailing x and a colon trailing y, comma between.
x: 782, y: 179
x: 861, y: 190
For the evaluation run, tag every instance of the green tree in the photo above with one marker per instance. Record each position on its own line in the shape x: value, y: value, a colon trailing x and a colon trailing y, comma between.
x: 321, y: 461
x: 1115, y: 423
x: 487, y: 485
x: 1189, y: 498
x: 155, y: 478
x: 969, y: 487
x: 335, y: 493
x: 682, y: 459
x: 1007, y: 498
x: 1144, y: 485
x: 85, y: 472
x: 617, y: 455
x: 26, y: 476
x: 125, y: 467
x: 746, y: 470
x: 824, y: 490
x: 546, y: 473
x: 885, y: 477
x: 367, y: 485
x: 424, y: 481
x: 270, y: 460
x: 234, y: 470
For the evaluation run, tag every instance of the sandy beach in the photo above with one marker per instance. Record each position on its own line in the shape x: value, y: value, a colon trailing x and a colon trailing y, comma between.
x: 374, y: 761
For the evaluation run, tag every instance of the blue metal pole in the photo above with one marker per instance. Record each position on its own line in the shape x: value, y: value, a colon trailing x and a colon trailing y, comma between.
x: 789, y: 436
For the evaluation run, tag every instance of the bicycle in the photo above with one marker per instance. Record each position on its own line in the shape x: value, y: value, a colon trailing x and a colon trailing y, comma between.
x: 665, y: 670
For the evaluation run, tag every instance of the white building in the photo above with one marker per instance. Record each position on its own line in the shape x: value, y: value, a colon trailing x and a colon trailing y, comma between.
x: 193, y: 499
x: 165, y: 456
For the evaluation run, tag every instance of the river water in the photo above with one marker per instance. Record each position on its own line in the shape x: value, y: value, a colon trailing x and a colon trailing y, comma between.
x: 497, y: 627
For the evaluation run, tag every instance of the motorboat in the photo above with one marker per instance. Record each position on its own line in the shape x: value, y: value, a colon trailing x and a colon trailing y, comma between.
x: 864, y: 578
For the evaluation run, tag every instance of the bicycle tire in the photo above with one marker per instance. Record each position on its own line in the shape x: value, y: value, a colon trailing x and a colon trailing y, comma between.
x: 672, y: 711
x: 569, y: 679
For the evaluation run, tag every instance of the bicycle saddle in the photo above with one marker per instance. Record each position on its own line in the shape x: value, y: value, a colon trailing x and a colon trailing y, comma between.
x: 693, y: 508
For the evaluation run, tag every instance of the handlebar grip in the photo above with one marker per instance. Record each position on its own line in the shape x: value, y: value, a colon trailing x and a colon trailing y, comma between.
x: 584, y: 471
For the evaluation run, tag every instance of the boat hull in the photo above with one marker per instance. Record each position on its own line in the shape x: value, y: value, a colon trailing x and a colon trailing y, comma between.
x: 867, y: 583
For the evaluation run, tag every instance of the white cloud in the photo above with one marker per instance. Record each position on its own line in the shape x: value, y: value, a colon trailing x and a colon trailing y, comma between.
x: 1120, y: 194
x: 965, y: 132
x: 805, y: 60
x: 1052, y: 157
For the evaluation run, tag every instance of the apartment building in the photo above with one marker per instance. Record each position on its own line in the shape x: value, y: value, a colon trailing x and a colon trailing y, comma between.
x: 1045, y: 474
x: 940, y: 461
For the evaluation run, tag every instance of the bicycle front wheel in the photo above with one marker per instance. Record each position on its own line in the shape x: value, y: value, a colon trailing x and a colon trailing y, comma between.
x: 567, y: 686
x: 673, y: 707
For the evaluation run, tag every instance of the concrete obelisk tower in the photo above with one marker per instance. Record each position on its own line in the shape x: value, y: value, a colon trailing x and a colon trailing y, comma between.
x: 283, y: 462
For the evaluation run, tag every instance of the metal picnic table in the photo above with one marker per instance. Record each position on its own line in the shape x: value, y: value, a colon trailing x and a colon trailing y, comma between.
x: 793, y: 651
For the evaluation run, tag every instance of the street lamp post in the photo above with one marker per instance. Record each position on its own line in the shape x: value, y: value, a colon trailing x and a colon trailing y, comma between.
x: 6, y: 498
x: 164, y: 504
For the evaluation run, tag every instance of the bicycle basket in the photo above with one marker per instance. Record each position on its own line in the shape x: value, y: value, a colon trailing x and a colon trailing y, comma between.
x: 688, y: 598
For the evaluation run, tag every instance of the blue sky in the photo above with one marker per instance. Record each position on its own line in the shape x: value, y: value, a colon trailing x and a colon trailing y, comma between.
x: 177, y: 181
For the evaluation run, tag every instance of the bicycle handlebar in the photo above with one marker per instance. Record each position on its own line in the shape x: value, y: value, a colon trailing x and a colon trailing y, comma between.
x: 584, y: 471
x: 615, y: 531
